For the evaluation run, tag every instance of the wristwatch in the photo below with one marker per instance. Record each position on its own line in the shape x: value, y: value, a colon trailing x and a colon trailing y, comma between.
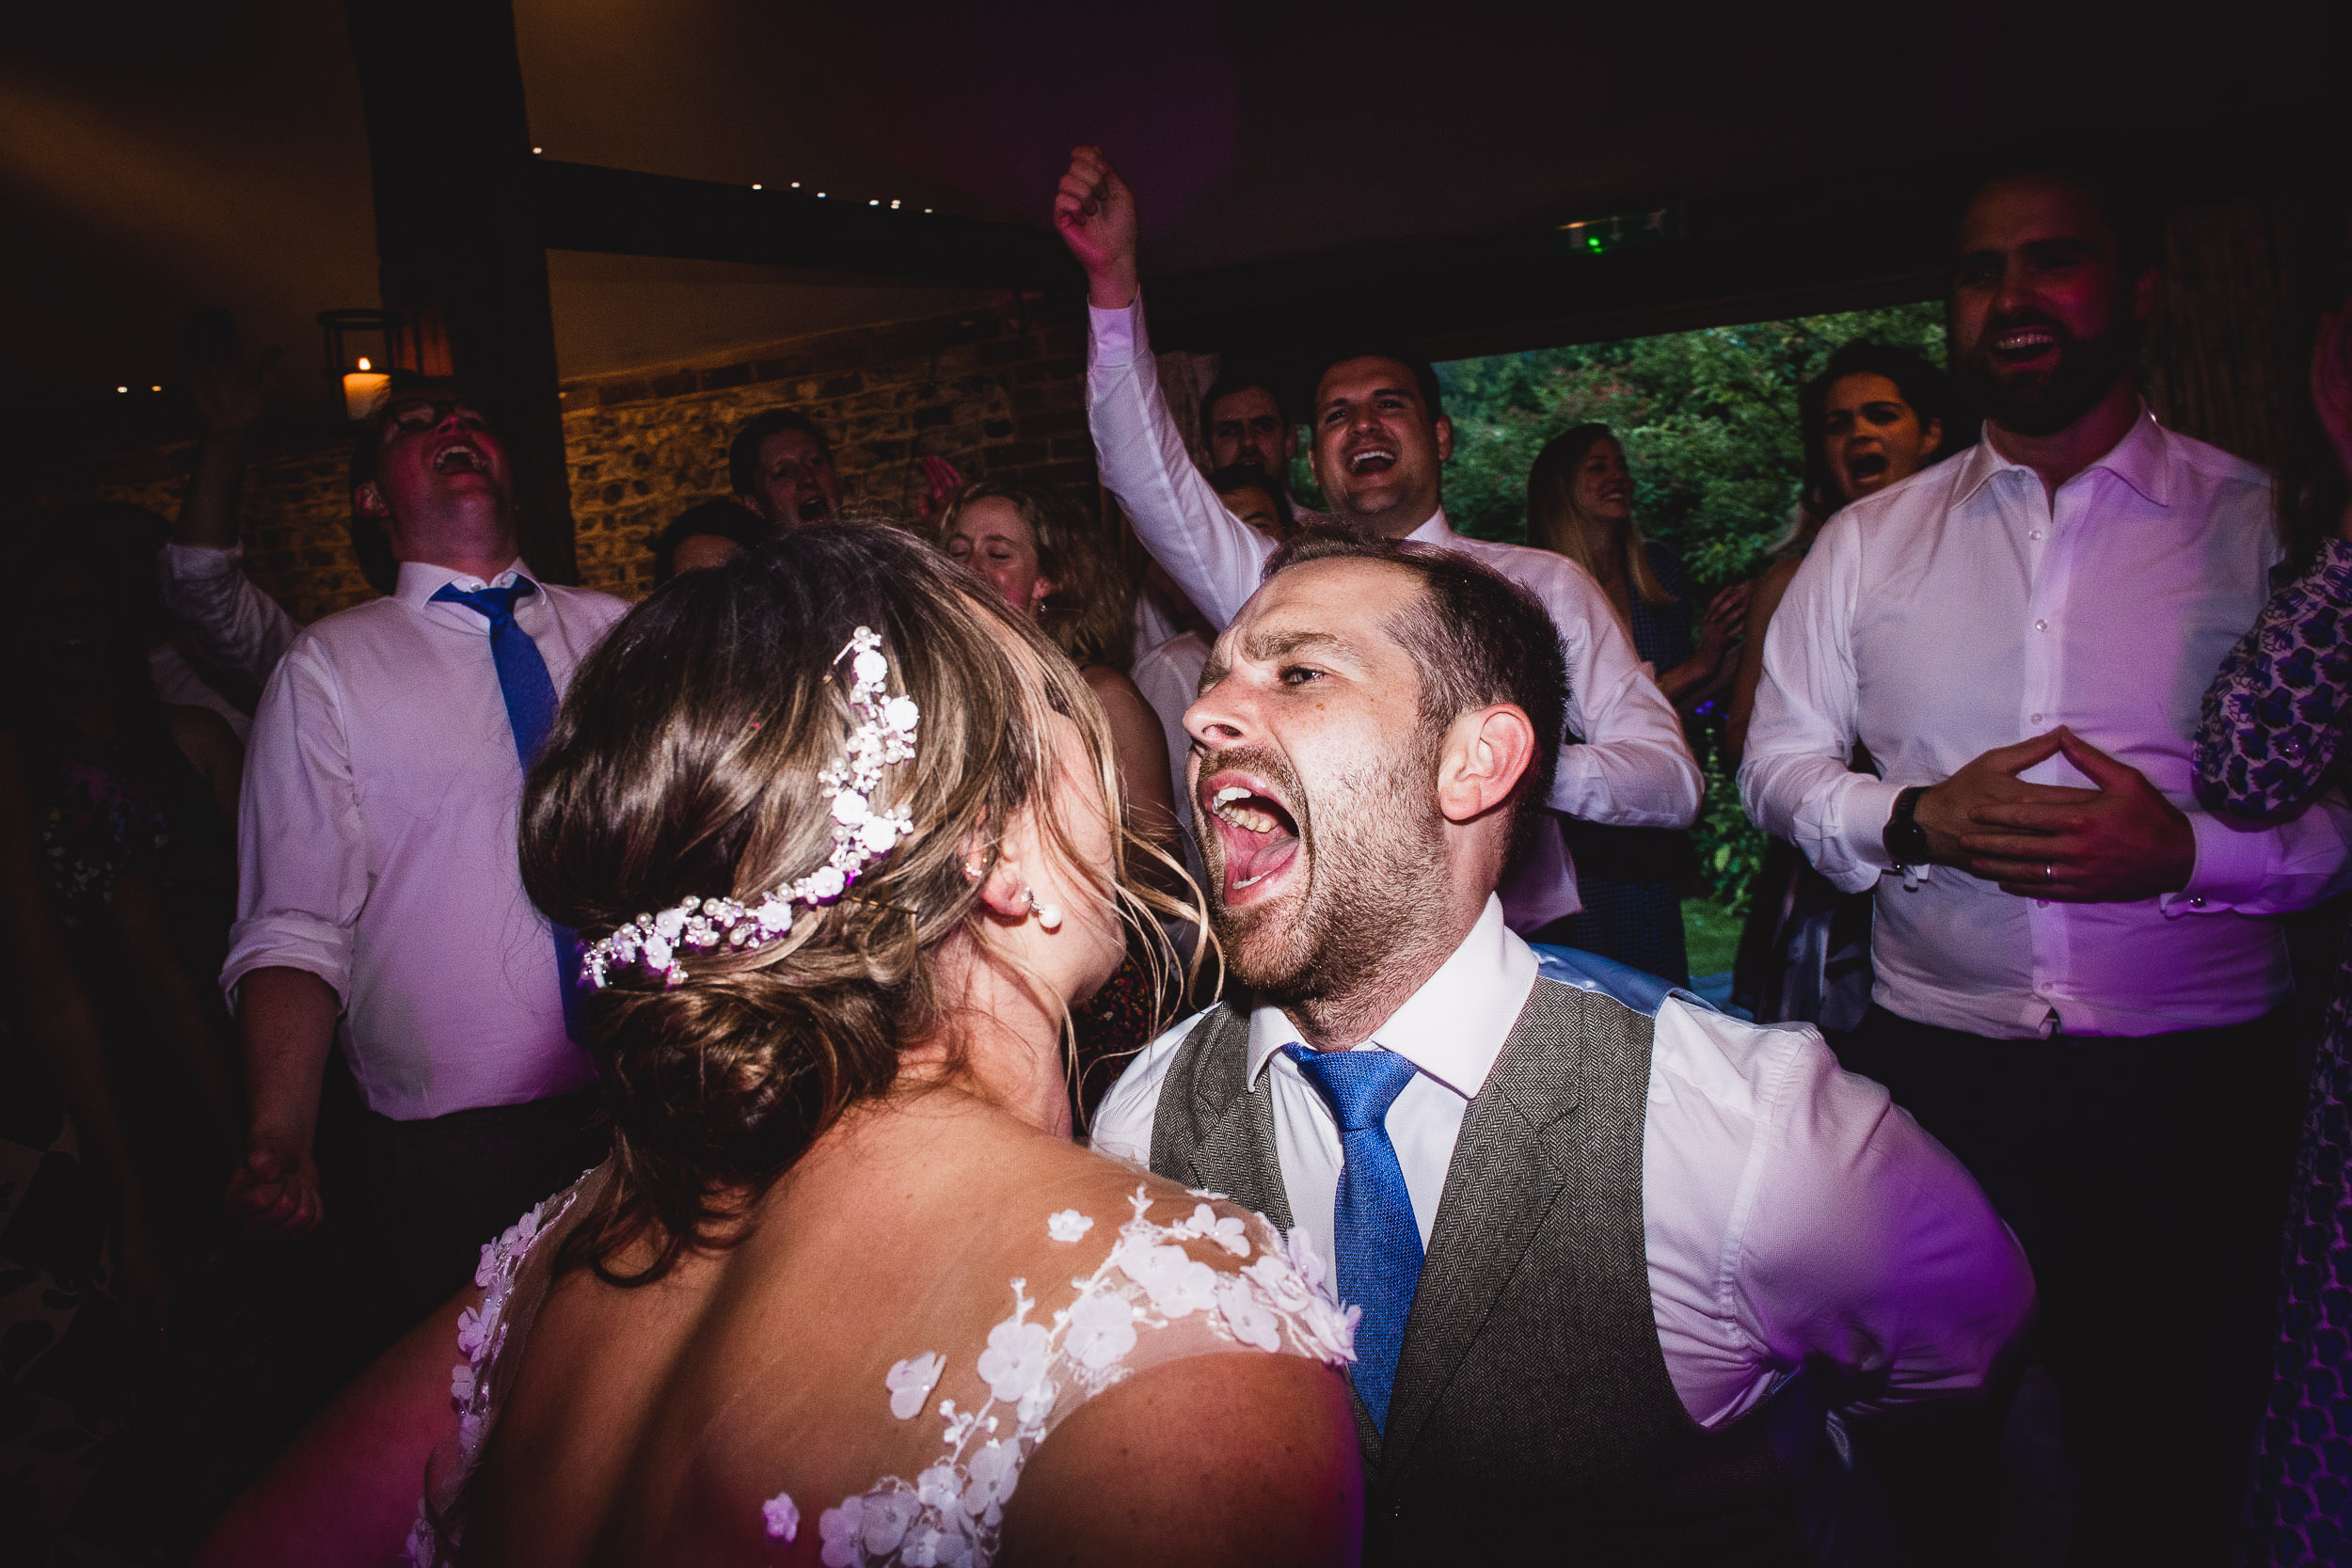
x: 1906, y: 841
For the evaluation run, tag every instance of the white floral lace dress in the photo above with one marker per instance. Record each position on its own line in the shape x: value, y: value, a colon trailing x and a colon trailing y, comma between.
x: 1148, y: 1301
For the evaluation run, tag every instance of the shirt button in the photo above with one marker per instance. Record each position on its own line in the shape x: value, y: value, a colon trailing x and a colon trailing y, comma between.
x: 2041, y: 903
x: 2033, y: 718
x: 2035, y: 534
x: 2041, y: 626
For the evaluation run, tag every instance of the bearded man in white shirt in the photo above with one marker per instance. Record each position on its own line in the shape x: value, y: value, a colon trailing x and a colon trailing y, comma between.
x: 380, y: 901
x: 1380, y: 438
x: 2079, y: 972
x: 1611, y: 1267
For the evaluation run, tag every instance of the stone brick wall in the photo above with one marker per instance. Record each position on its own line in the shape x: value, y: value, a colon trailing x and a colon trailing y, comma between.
x: 997, y: 396
x: 295, y: 503
x: 999, y: 393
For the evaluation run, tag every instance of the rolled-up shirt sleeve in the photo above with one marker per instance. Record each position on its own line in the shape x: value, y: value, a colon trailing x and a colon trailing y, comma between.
x: 1795, y: 779
x: 1214, y: 557
x: 1631, y: 767
x: 235, y: 625
x: 301, y: 852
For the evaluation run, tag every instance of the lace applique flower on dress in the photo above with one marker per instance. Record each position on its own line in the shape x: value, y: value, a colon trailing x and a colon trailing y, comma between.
x: 481, y: 1335
x: 952, y: 1515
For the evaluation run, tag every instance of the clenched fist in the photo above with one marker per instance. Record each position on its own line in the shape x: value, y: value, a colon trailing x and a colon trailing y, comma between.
x: 1095, y: 215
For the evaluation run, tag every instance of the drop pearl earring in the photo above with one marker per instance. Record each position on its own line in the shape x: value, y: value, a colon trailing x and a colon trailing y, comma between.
x: 1048, y: 916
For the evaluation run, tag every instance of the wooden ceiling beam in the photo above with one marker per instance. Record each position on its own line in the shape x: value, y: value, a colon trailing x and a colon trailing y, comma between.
x: 584, y: 207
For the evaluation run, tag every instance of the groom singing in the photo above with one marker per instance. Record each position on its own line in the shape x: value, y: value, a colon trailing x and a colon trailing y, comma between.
x: 1614, y: 1269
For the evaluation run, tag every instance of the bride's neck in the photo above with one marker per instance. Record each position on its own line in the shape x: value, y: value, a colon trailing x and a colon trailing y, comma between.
x: 1001, y: 1043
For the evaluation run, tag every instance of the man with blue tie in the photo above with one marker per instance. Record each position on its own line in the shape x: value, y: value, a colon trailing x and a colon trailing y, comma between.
x: 1615, y: 1268
x: 380, y: 904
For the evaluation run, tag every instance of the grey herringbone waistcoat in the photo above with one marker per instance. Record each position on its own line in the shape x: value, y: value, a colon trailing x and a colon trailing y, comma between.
x: 1532, y: 1404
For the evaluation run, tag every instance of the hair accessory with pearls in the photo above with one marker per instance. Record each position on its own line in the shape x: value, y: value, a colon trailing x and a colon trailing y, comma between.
x: 884, y: 735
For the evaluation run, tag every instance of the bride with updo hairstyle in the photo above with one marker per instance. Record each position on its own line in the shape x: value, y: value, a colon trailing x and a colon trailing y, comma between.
x: 839, y: 834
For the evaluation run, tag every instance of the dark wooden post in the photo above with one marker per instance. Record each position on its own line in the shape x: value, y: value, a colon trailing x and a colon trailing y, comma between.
x: 457, y: 232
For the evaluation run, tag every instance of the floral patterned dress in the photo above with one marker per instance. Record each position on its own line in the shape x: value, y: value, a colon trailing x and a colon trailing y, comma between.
x: 2273, y: 737
x: 1153, y: 1290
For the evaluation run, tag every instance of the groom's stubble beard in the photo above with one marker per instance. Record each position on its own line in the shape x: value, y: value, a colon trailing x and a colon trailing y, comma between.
x: 1372, y: 843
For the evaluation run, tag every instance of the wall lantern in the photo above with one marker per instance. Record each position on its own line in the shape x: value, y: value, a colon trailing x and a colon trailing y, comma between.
x: 358, y: 359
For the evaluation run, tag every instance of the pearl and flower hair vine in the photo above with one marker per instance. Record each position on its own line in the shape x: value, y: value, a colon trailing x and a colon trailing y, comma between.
x: 883, y: 734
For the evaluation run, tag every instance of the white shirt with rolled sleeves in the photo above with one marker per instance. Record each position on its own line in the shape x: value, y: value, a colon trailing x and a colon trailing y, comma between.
x: 232, y: 622
x: 1961, y: 611
x: 1632, y: 768
x: 1790, y: 1212
x: 377, y: 845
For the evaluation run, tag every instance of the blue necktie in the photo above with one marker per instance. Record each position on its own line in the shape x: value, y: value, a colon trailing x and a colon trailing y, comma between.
x: 1377, y: 1243
x: 529, y: 694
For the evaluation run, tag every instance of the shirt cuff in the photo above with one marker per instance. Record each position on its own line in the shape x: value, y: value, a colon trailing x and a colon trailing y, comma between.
x: 2233, y: 866
x: 192, y: 562
x: 1863, y: 809
x: 1112, y: 335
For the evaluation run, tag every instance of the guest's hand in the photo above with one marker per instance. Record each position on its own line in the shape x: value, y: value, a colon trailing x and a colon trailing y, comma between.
x: 1725, y: 627
x: 276, y: 1192
x: 2116, y: 844
x: 941, y: 481
x: 1947, y: 811
x: 228, y: 391
x: 1095, y: 214
x: 2332, y: 392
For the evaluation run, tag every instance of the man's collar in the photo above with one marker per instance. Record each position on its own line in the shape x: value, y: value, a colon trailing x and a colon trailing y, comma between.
x: 1436, y: 531
x: 420, y: 580
x: 2137, y: 459
x: 1454, y: 1026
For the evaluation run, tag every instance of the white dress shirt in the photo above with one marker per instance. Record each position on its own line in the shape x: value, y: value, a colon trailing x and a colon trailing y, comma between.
x: 232, y: 622
x: 1170, y: 678
x: 1960, y: 611
x: 176, y: 682
x: 375, y: 844
x: 1633, y: 769
x: 1789, y: 1210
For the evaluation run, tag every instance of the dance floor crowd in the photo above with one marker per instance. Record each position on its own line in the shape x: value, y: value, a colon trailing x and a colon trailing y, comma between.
x: 915, y: 1044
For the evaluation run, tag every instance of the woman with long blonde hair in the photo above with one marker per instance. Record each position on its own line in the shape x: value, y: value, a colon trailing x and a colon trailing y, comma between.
x: 1580, y: 504
x: 1049, y: 562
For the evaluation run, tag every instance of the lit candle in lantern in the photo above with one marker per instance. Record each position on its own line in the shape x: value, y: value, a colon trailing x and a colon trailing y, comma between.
x: 364, y: 391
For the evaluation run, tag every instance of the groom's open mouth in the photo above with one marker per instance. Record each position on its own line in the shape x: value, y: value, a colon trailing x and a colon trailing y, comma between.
x: 1255, y: 829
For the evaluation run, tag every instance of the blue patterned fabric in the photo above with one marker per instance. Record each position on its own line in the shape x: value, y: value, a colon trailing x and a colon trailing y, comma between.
x: 1376, y: 1239
x: 1637, y: 988
x: 530, y: 694
x: 2272, y: 736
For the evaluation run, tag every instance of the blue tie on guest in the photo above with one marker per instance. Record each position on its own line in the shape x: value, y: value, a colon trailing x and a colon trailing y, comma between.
x: 531, y: 703
x: 1375, y: 1240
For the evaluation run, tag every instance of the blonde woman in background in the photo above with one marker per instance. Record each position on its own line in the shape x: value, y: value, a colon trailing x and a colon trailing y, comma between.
x: 1047, y: 559
x: 1050, y: 564
x: 1580, y: 504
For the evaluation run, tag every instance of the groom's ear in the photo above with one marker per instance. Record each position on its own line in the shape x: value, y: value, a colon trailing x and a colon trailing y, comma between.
x: 1486, y: 755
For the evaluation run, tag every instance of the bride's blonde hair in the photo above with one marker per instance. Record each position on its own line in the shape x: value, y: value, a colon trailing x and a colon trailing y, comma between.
x: 685, y: 763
